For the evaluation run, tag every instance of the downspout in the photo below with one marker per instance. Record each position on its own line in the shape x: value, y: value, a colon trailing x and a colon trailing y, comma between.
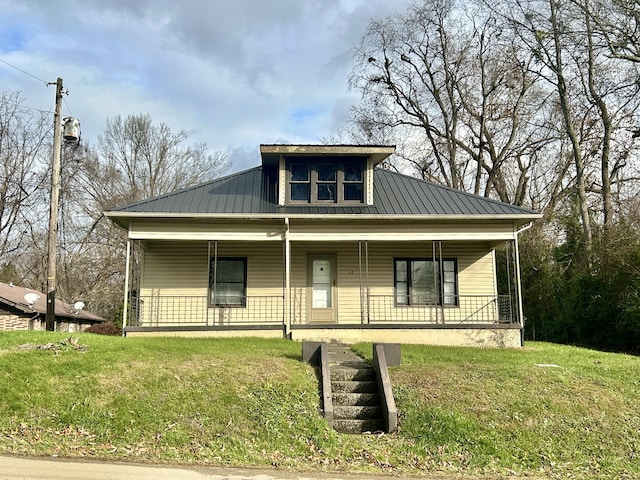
x: 518, y: 281
x: 127, y: 267
x: 287, y: 280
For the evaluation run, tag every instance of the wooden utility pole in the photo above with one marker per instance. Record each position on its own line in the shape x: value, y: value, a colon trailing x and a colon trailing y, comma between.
x: 53, y: 211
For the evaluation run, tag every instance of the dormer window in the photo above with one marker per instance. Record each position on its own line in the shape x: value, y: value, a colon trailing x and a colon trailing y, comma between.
x: 322, y: 180
x: 300, y: 187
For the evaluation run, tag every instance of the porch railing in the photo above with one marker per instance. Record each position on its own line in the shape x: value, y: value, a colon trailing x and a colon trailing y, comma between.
x: 170, y: 311
x: 162, y: 310
x: 466, y: 309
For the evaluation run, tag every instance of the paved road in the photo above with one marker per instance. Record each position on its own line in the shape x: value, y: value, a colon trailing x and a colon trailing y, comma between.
x: 21, y: 468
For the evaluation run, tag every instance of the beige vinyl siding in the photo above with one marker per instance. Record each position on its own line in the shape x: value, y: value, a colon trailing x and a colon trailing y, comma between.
x: 400, y: 230
x: 310, y: 230
x: 173, y: 286
x: 206, y: 229
x: 175, y: 268
x: 475, y: 264
x: 176, y: 279
x: 475, y: 278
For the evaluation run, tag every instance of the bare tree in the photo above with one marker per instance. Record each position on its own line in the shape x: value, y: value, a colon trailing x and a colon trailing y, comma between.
x: 136, y: 159
x: 596, y: 95
x: 458, y: 95
x: 142, y: 159
x: 23, y: 135
x: 617, y: 22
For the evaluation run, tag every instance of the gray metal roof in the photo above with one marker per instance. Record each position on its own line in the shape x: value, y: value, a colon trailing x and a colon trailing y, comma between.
x: 252, y: 192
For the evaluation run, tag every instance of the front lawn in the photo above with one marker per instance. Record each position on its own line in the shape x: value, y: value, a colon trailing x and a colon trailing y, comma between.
x: 546, y: 411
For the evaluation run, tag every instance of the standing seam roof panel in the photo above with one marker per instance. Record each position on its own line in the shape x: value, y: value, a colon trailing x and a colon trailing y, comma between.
x: 394, y: 194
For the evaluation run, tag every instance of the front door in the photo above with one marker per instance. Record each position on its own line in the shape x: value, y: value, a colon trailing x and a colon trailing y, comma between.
x: 322, y: 282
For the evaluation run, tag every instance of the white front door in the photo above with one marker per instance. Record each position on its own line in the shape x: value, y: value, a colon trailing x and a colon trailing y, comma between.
x: 322, y: 281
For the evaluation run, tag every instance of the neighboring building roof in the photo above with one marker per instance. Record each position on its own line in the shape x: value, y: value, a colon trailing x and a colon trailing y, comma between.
x: 249, y: 193
x: 13, y: 296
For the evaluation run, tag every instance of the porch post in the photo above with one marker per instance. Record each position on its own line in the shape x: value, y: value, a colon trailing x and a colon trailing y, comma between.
x: 360, y: 278
x: 441, y: 280
x: 436, y: 260
x: 518, y: 284
x: 206, y: 302
x: 287, y: 280
x: 366, y: 270
x: 217, y: 311
x: 127, y: 267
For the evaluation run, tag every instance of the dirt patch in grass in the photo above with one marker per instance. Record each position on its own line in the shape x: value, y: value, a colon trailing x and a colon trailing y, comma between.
x: 70, y: 343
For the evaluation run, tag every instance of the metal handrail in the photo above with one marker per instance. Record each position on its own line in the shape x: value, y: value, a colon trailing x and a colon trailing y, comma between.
x: 175, y: 310
x: 467, y: 309
x: 184, y: 310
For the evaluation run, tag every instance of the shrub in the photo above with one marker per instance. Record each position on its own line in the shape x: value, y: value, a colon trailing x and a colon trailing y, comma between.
x: 106, y: 328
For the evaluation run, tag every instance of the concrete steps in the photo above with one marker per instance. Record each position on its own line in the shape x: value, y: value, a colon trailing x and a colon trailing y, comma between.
x: 356, y: 402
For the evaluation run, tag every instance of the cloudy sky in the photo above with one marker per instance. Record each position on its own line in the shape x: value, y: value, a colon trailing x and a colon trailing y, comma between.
x: 232, y: 73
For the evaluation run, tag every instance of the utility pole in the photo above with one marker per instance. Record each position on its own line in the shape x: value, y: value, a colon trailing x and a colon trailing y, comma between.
x: 53, y: 211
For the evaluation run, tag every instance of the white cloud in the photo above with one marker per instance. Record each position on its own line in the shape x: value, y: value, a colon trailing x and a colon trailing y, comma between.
x: 236, y: 73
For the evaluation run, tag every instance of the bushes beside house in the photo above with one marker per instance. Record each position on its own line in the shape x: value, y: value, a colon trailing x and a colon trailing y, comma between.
x: 572, y: 296
x: 106, y: 328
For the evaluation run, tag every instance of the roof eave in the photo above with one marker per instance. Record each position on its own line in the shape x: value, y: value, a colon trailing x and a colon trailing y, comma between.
x: 123, y: 218
x: 377, y: 153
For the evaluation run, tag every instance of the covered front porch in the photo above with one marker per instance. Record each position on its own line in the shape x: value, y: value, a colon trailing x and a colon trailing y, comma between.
x: 326, y: 289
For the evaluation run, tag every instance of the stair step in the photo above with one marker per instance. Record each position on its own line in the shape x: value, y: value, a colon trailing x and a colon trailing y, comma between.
x: 342, y: 373
x: 354, y: 387
x: 355, y: 412
x: 359, y: 426
x: 361, y: 399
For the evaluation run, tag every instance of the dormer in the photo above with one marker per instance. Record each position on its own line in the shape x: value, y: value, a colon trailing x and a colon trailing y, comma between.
x: 340, y: 175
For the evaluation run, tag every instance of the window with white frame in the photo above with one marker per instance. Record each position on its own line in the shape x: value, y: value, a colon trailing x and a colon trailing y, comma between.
x: 228, y: 282
x: 423, y: 281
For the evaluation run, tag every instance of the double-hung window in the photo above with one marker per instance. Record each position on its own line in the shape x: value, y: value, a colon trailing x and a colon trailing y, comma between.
x: 228, y: 282
x: 300, y: 182
x: 318, y: 180
x: 353, y: 186
x: 422, y: 281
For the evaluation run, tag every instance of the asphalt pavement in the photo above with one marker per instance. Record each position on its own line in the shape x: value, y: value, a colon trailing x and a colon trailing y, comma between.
x: 48, y: 468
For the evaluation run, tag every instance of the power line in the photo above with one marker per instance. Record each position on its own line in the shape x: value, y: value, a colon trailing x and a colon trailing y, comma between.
x: 39, y: 110
x: 23, y: 71
x: 67, y: 105
x: 40, y: 80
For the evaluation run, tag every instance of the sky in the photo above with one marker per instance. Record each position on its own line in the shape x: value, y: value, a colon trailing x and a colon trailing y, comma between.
x: 231, y: 73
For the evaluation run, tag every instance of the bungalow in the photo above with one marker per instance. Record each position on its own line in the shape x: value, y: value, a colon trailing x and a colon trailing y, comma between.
x: 319, y: 244
x: 25, y: 309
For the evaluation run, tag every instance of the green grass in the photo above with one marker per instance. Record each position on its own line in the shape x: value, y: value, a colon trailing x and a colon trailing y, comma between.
x: 253, y: 402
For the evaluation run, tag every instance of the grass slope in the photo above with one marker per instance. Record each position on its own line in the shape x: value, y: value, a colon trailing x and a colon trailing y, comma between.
x: 253, y: 402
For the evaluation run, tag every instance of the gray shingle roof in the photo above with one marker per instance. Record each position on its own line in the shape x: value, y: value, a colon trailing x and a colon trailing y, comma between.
x: 252, y: 192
